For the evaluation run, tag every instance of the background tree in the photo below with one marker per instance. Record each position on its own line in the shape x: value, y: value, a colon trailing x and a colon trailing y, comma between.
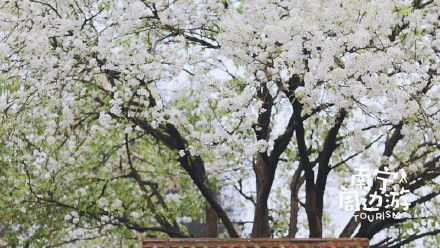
x: 126, y: 119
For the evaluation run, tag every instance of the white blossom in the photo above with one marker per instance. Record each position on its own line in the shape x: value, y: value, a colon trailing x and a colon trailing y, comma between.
x: 135, y: 215
x: 181, y: 153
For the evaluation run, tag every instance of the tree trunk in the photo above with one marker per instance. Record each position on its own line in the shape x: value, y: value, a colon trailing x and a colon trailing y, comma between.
x: 264, y: 178
x: 211, y: 223
x: 295, y: 185
x: 314, y: 217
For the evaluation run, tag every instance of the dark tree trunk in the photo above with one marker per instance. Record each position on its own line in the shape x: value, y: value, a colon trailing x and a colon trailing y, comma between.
x: 264, y: 179
x: 211, y: 223
x: 295, y: 185
x: 314, y: 217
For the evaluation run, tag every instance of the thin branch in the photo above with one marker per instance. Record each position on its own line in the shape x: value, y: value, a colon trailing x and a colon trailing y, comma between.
x: 414, y: 237
x: 240, y: 191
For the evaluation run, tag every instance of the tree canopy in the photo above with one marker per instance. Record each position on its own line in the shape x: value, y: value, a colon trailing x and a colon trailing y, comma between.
x: 128, y: 119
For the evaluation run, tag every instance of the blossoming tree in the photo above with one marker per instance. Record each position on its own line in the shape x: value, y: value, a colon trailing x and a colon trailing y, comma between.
x: 122, y: 119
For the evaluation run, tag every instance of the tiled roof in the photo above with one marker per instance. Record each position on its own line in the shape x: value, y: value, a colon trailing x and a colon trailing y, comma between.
x: 256, y: 243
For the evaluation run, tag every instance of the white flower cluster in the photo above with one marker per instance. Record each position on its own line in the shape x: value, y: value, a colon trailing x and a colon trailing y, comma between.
x: 77, y: 76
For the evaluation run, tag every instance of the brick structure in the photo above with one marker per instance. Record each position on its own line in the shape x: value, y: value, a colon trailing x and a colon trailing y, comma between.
x: 255, y: 243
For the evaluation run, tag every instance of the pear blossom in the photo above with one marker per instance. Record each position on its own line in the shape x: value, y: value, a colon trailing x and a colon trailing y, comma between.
x: 142, y: 114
